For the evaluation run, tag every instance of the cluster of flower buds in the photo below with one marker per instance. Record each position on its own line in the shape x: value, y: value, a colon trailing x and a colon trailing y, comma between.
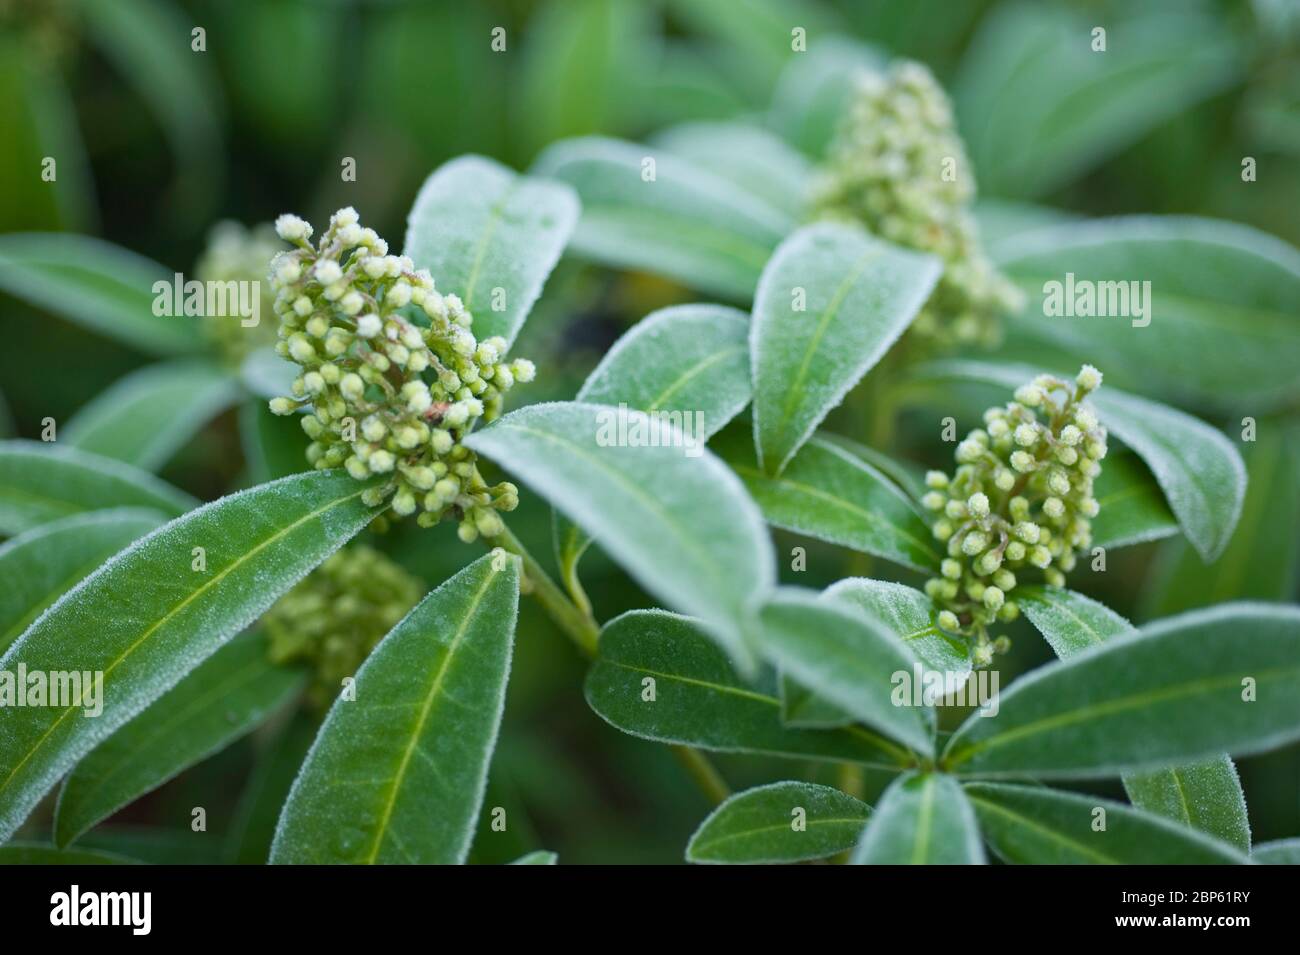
x: 1021, y: 499
x: 337, y: 614
x: 898, y: 167
x: 392, y: 374
x: 238, y: 254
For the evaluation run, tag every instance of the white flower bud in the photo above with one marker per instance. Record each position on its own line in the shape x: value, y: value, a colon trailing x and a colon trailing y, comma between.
x: 1054, y: 508
x: 291, y: 228
x: 351, y: 303
x: 327, y: 272
x: 1026, y: 435
x: 524, y: 370
x: 368, y: 326
x: 1089, y: 378
x: 352, y: 387
x: 381, y: 462
x: 978, y: 504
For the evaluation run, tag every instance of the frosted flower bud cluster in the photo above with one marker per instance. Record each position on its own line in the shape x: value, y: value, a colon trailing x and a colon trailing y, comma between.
x: 392, y: 374
x: 899, y: 168
x: 236, y: 253
x: 1020, y: 504
x: 337, y: 614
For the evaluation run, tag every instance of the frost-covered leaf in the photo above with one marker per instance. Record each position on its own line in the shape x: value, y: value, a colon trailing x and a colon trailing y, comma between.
x: 1181, y: 689
x: 42, y: 482
x: 780, y: 822
x: 692, y: 359
x: 397, y: 774
x: 39, y: 566
x: 1132, y: 506
x: 831, y: 301
x: 659, y: 677
x: 1069, y: 621
x: 829, y: 493
x: 846, y: 658
x: 1206, y: 794
x: 146, y: 618
x: 679, y: 523
x: 668, y: 218
x: 1222, y: 325
x: 1281, y: 852
x: 490, y: 236
x: 95, y: 284
x: 922, y: 819
x: 144, y: 418
x: 1260, y: 560
x: 225, y: 697
x: 1200, y: 470
x: 747, y: 155
x: 1037, y: 825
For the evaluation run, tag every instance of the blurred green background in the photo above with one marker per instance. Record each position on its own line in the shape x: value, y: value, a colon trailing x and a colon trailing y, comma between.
x: 156, y: 143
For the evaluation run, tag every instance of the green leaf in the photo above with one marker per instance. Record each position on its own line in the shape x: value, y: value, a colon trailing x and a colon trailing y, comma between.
x: 1132, y: 506
x: 1070, y: 622
x: 146, y: 417
x: 41, y: 482
x: 1281, y: 852
x: 692, y: 359
x: 1205, y: 795
x: 847, y: 659
x: 813, y: 92
x: 1039, y: 107
x: 699, y: 700
x: 146, y: 618
x: 490, y: 236
x: 830, y: 303
x: 1036, y: 825
x: 1002, y: 219
x: 1173, y: 692
x: 921, y: 820
x: 97, y: 285
x: 42, y: 564
x: 909, y: 615
x: 754, y: 159
x: 1260, y: 560
x: 540, y: 857
x: 1221, y: 302
x: 225, y: 697
x: 1200, y: 470
x: 829, y: 493
x: 683, y: 358
x: 32, y: 853
x: 781, y: 822
x: 397, y: 774
x: 681, y: 525
x: 275, y: 446
x: 685, y: 223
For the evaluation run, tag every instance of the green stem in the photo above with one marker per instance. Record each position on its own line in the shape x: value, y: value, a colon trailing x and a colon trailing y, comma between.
x: 704, y: 773
x: 582, y: 628
x: 579, y: 626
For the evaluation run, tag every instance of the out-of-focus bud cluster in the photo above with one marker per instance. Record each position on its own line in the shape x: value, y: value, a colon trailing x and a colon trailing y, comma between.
x: 1021, y: 500
x: 392, y: 373
x: 898, y: 167
x: 239, y: 254
x: 336, y: 616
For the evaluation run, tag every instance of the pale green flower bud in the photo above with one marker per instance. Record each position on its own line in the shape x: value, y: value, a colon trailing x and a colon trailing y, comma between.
x: 951, y: 569
x: 283, y: 406
x: 948, y: 621
x: 1088, y: 379
x: 937, y: 480
x: 978, y: 505
x: 993, y: 598
x: 933, y: 501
